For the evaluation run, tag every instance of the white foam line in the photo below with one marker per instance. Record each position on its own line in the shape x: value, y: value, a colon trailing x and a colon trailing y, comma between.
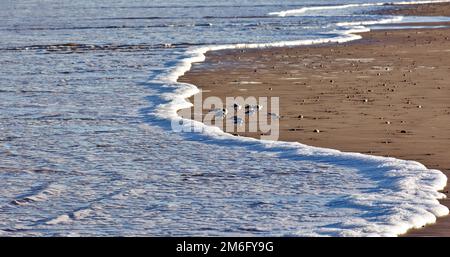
x: 416, y: 187
x: 363, y: 23
x: 303, y: 10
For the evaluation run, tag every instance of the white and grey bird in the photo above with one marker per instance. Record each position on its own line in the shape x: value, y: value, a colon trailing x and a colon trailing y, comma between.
x: 221, y: 112
x: 252, y: 109
x: 238, y: 121
x: 273, y: 115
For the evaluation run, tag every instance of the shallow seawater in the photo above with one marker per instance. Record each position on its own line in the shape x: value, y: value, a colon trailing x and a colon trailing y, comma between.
x: 83, y: 153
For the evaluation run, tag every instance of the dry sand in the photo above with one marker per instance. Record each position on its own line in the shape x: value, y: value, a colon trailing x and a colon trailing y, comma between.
x: 387, y: 94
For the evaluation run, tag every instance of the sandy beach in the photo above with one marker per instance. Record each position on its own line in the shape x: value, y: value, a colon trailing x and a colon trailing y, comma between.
x: 436, y: 9
x: 387, y: 94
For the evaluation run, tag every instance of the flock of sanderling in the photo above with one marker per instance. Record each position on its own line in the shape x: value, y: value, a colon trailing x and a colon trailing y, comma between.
x: 249, y: 110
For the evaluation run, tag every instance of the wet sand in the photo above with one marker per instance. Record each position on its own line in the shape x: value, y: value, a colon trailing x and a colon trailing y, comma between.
x: 436, y: 9
x: 387, y: 94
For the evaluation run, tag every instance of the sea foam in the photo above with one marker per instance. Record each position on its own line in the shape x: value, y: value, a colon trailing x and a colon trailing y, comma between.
x: 305, y: 10
x: 407, y: 189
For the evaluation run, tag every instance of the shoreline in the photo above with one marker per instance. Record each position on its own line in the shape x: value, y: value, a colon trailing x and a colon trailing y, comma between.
x: 318, y: 105
x: 429, y: 9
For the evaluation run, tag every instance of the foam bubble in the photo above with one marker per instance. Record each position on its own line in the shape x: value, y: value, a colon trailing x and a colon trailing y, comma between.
x: 407, y: 187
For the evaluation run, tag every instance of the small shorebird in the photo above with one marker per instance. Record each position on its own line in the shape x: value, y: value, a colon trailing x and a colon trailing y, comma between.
x: 252, y: 109
x: 221, y: 112
x: 237, y: 120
